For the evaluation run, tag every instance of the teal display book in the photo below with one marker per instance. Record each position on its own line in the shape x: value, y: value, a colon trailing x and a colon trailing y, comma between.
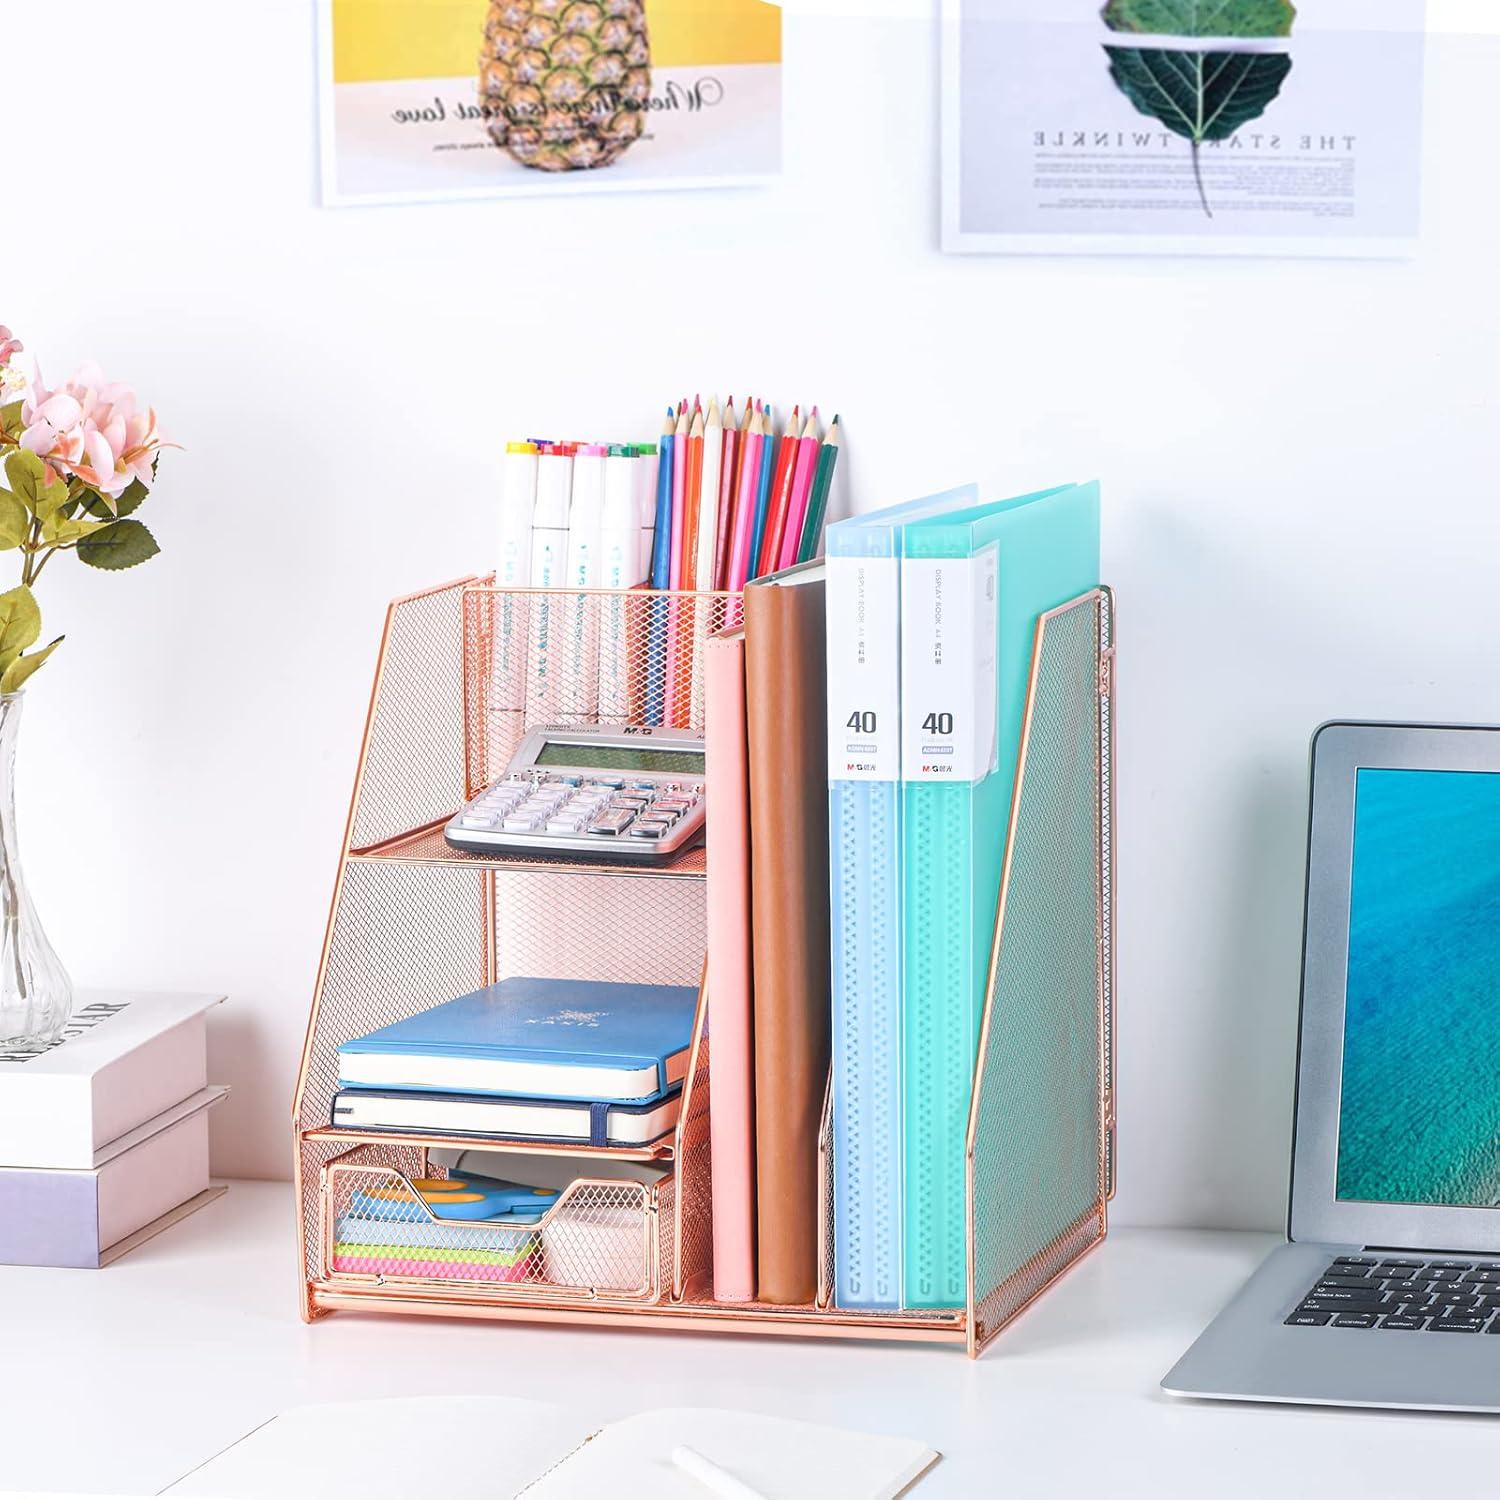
x: 973, y: 585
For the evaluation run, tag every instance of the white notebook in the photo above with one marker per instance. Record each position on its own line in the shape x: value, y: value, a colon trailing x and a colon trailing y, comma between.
x: 545, y: 1452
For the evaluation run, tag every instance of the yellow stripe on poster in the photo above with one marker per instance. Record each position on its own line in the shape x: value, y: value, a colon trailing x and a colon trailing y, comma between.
x: 386, y: 40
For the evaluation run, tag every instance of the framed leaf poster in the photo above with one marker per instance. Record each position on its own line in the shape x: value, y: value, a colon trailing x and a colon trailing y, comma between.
x: 436, y: 99
x: 1183, y: 127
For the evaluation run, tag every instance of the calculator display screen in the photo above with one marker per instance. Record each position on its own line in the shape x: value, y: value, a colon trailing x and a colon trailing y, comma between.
x: 622, y: 758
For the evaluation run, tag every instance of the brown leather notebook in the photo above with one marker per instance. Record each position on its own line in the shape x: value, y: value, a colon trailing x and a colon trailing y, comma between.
x: 785, y: 698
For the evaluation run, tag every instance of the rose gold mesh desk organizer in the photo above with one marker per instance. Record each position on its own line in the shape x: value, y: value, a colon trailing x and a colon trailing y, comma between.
x: 465, y: 671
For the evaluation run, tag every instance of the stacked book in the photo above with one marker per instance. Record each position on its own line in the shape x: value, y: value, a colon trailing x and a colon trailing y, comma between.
x: 568, y: 1062
x: 863, y: 730
x: 104, y: 1133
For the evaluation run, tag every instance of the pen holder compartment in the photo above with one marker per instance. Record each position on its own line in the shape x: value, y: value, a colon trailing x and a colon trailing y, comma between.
x: 572, y: 658
x: 602, y: 1240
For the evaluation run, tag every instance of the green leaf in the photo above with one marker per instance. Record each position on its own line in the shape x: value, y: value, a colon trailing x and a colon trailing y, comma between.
x: 20, y: 623
x: 130, y: 498
x: 1201, y: 96
x: 58, y: 530
x: 32, y: 483
x: 10, y: 419
x: 15, y: 521
x: 15, y: 676
x: 1202, y: 17
x: 121, y: 544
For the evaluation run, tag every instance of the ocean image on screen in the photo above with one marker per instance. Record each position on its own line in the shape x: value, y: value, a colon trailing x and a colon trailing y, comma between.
x: 1419, y: 1116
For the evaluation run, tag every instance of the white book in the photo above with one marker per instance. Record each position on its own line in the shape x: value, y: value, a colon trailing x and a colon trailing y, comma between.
x: 123, y: 1059
x: 531, y: 1119
x: 547, y: 1452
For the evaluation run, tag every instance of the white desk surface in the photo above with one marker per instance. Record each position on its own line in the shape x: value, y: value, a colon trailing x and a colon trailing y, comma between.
x: 124, y: 1379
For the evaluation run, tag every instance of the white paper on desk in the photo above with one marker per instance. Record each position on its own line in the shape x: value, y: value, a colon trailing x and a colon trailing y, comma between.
x: 456, y: 1447
x: 783, y: 1460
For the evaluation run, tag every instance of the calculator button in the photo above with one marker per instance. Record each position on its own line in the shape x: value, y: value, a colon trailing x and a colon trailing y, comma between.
x: 482, y: 820
x: 649, y: 828
x: 565, y: 825
x: 609, y: 781
x: 613, y: 822
x: 521, y: 823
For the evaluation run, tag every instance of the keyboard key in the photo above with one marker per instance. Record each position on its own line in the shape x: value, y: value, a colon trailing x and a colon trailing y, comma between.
x: 1416, y: 1287
x: 1339, y: 1294
x: 1455, y: 1325
x: 1397, y: 1267
x: 1445, y: 1273
x: 1301, y: 1319
x: 1483, y: 1273
x: 1450, y: 1265
x: 1316, y: 1304
x: 1354, y: 1320
x: 1355, y: 1260
x: 610, y: 824
x: 1403, y: 1321
x: 1349, y: 1281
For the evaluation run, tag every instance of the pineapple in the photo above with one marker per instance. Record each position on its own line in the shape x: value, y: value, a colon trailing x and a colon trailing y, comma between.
x: 565, y: 83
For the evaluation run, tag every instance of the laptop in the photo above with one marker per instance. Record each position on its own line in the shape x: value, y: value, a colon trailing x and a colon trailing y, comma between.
x: 1388, y: 1290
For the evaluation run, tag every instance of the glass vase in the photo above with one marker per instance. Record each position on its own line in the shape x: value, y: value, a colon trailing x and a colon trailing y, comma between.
x: 36, y: 995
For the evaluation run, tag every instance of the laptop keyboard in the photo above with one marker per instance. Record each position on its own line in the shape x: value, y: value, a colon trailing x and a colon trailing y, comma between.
x: 1405, y: 1293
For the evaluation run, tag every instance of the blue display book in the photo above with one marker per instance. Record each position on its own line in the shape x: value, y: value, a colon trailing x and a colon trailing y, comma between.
x: 540, y: 1038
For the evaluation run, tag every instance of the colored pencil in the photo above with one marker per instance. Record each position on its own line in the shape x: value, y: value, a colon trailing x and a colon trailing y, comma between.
x: 763, y: 487
x: 781, y: 498
x: 693, y: 520
x: 744, y: 511
x: 806, y: 466
x: 679, y: 498
x: 817, y: 506
x: 708, y: 510
x: 734, y: 440
x: 661, y: 571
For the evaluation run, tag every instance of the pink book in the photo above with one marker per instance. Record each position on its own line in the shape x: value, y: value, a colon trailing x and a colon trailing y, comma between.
x: 732, y: 1065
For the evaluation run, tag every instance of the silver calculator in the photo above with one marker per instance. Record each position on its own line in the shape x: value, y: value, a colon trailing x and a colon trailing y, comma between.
x: 621, y: 792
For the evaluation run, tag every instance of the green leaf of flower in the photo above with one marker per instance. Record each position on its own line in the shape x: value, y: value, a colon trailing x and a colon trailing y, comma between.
x: 15, y: 676
x: 33, y: 484
x: 130, y: 498
x: 120, y: 544
x: 59, y: 530
x: 15, y: 521
x: 20, y: 623
x: 1202, y: 17
x: 10, y: 419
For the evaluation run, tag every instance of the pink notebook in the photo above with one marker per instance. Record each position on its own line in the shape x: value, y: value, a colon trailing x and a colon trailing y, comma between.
x: 732, y: 1063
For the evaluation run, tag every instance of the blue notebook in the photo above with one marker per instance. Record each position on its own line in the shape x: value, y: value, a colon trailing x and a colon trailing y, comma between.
x: 538, y: 1038
x: 973, y: 586
x: 864, y: 821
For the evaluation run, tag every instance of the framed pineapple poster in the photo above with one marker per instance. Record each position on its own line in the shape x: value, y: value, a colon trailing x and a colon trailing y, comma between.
x: 1187, y: 127
x: 438, y: 99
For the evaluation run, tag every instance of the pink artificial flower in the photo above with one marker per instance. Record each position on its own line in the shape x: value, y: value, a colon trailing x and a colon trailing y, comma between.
x: 9, y: 345
x: 96, y: 429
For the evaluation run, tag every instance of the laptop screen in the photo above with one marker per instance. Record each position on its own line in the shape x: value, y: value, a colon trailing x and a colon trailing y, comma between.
x: 1419, y: 1107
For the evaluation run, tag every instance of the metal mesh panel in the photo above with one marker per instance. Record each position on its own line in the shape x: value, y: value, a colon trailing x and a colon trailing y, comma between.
x: 692, y: 1252
x: 598, y: 1240
x: 1036, y: 1133
x: 413, y: 766
x: 546, y: 657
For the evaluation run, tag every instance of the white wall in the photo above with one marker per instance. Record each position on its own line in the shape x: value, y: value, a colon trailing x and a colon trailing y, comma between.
x: 1300, y: 462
